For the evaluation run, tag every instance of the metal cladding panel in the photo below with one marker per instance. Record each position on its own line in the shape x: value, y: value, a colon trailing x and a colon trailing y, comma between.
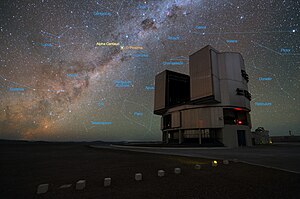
x: 176, y: 120
x: 217, y: 117
x: 249, y: 120
x: 200, y: 73
x: 242, y: 64
x: 231, y: 65
x: 234, y: 99
x: 202, y: 118
x: 230, y: 138
x: 160, y: 91
x: 217, y: 89
x: 204, y: 75
x: 215, y: 75
x: 222, y: 66
x: 189, y: 118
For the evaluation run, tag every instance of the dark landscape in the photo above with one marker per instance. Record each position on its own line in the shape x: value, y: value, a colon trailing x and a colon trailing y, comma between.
x: 25, y: 165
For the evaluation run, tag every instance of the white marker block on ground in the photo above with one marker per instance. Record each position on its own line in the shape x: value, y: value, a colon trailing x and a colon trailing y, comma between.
x: 161, y: 173
x: 198, y: 166
x: 42, y: 188
x: 80, y: 184
x: 214, y: 163
x: 225, y: 162
x: 107, y: 182
x: 138, y: 177
x: 177, y: 170
x: 65, y: 186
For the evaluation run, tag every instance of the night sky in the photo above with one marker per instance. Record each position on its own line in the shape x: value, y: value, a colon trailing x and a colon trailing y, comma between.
x: 84, y: 70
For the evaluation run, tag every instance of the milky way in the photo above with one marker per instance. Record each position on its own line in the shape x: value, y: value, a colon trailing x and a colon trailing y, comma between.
x: 84, y: 70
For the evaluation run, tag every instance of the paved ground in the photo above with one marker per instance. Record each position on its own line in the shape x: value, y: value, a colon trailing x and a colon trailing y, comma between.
x: 281, y: 156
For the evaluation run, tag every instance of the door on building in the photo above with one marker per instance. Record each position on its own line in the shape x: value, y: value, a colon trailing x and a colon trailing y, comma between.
x: 241, y: 138
x: 173, y: 137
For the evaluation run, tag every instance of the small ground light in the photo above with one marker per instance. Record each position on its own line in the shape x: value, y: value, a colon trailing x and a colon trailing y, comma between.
x: 214, y: 163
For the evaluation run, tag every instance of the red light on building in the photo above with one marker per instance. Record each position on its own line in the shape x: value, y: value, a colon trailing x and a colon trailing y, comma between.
x: 239, y: 122
x: 238, y: 109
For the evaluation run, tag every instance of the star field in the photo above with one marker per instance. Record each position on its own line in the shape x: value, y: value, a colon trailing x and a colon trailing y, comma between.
x: 84, y: 70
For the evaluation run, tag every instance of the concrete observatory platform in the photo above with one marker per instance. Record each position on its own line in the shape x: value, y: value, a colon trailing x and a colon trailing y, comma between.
x: 210, y: 106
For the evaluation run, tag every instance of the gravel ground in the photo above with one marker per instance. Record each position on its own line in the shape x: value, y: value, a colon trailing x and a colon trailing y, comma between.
x: 23, y: 166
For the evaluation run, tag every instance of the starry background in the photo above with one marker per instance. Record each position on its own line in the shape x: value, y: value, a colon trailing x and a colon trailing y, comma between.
x: 56, y: 83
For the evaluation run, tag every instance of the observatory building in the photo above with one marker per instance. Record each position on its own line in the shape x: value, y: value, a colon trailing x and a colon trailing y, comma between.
x: 210, y: 106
